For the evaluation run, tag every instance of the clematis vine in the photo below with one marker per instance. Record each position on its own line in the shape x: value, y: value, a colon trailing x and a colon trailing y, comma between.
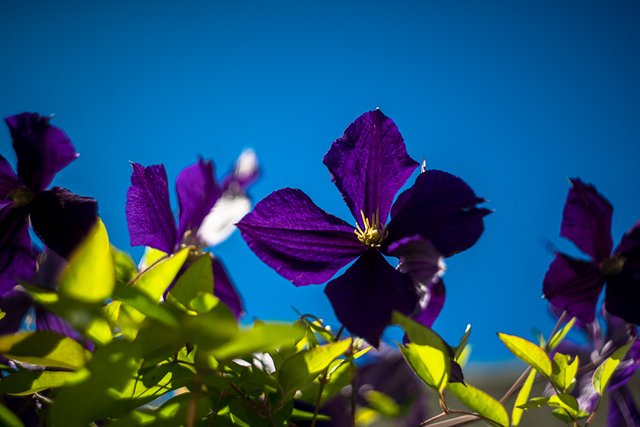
x: 575, y: 285
x: 602, y: 343
x: 59, y: 218
x: 151, y: 222
x: 435, y: 218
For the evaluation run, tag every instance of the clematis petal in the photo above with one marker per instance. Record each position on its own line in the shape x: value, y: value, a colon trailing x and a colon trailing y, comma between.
x: 149, y: 215
x: 299, y: 240
x: 418, y: 258
x: 369, y: 164
x: 224, y: 289
x: 42, y: 150
x: 629, y: 246
x: 15, y: 304
x: 221, y: 221
x: 365, y: 296
x: 586, y: 220
x: 197, y: 192
x: 245, y: 172
x: 8, y: 179
x: 62, y: 219
x: 17, y: 257
x: 431, y: 304
x: 442, y: 209
x: 623, y: 293
x: 623, y: 411
x: 573, y: 285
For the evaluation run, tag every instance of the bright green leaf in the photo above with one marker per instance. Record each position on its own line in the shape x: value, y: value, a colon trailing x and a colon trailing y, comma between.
x: 44, y: 348
x: 462, y: 345
x: 521, y: 398
x: 603, y: 373
x: 261, y: 337
x: 427, y: 353
x: 89, y: 276
x: 560, y: 335
x: 480, y: 402
x: 197, y: 279
x: 157, y: 278
x: 124, y: 267
x: 528, y: 352
x: 534, y: 402
x: 568, y: 404
x: 27, y: 382
x: 564, y: 371
x: 141, y: 301
x: 304, y: 366
x: 383, y: 404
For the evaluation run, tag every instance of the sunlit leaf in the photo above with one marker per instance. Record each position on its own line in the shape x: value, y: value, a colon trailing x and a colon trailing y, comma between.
x: 568, y: 404
x: 557, y: 338
x: 89, y: 276
x: 528, y: 352
x: 27, y: 382
x: 8, y: 418
x: 564, y: 371
x: 124, y: 267
x: 155, y: 280
x: 141, y: 301
x: 198, y: 278
x: 462, y: 345
x: 44, y: 348
x: 427, y: 353
x: 605, y: 371
x: 480, y: 402
x: 521, y: 398
x: 304, y: 366
x: 383, y: 404
x: 259, y: 338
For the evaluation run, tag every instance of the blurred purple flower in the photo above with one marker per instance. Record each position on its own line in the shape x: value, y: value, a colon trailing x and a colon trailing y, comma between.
x: 60, y: 218
x: 437, y: 217
x: 573, y: 284
x: 151, y: 221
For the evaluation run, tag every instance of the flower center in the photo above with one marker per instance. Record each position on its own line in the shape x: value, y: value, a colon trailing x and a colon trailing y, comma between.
x: 612, y: 265
x: 21, y: 197
x: 373, y: 233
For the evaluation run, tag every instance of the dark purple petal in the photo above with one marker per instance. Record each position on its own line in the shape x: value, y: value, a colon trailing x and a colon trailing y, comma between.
x: 224, y: 289
x: 8, y: 179
x: 42, y: 150
x: 15, y: 304
x: 574, y: 286
x: 62, y: 219
x: 197, y: 193
x: 586, y: 220
x: 418, y: 258
x: 431, y: 304
x: 17, y: 257
x: 629, y: 246
x: 149, y: 215
x: 366, y: 295
x: 299, y: 240
x: 369, y: 164
x: 627, y: 368
x: 623, y: 292
x: 442, y: 209
x: 623, y: 411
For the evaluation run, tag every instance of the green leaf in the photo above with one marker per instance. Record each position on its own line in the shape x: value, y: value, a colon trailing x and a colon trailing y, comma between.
x: 568, y: 404
x: 383, y: 404
x: 27, y: 382
x: 603, y: 373
x: 157, y: 278
x: 212, y: 329
x: 141, y: 301
x: 304, y: 366
x: 44, y: 348
x: 463, y: 343
x: 261, y: 337
x: 480, y: 402
x: 300, y: 415
x: 8, y: 418
x: 89, y: 276
x: 124, y: 267
x: 528, y: 352
x: 557, y: 338
x: 521, y: 398
x: 534, y: 402
x: 198, y: 278
x: 427, y: 353
x: 564, y: 371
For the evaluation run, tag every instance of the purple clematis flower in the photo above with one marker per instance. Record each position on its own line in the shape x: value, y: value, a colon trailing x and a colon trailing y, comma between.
x: 437, y: 217
x: 151, y: 222
x: 573, y: 284
x: 60, y: 218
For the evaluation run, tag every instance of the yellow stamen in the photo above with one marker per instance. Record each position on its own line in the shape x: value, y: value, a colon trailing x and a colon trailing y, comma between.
x: 373, y: 234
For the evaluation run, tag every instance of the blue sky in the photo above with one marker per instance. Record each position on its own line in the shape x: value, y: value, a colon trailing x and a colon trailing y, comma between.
x: 514, y: 97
